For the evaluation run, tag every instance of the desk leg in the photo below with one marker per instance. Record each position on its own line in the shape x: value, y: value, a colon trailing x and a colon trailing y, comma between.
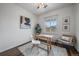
x: 48, y: 49
x: 48, y: 46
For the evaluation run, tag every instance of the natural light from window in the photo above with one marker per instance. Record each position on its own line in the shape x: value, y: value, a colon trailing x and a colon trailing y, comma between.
x: 51, y: 23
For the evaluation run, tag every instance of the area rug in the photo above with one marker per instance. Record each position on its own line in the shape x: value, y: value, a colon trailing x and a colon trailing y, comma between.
x: 41, y: 50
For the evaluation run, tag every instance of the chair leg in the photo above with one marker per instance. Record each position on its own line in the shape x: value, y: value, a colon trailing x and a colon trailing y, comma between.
x: 33, y: 46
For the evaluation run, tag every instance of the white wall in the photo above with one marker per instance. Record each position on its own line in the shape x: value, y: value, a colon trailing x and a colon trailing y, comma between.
x: 10, y: 33
x: 63, y: 12
x: 77, y: 26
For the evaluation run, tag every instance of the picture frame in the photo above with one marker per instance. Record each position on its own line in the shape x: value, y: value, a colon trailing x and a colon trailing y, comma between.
x: 66, y: 28
x: 66, y: 20
x: 25, y: 22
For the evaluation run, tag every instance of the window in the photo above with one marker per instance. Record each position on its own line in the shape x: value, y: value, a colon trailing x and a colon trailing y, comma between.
x: 51, y: 24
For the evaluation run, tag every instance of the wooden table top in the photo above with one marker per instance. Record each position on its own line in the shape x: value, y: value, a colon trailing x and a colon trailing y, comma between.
x: 44, y: 36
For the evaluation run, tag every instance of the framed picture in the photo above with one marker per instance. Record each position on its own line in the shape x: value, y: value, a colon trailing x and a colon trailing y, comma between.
x: 66, y: 28
x: 66, y: 20
x: 24, y: 22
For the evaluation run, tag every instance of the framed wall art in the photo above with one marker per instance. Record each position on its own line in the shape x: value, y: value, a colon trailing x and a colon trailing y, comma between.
x: 25, y: 22
x: 66, y: 28
x: 66, y: 20
x: 66, y: 24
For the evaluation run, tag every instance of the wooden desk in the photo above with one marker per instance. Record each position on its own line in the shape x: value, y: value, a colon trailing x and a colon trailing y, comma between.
x: 47, y: 38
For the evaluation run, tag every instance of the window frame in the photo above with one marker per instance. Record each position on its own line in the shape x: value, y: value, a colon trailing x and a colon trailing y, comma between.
x: 51, y: 18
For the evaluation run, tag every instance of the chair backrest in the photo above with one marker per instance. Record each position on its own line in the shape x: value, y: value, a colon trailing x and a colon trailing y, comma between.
x: 33, y: 37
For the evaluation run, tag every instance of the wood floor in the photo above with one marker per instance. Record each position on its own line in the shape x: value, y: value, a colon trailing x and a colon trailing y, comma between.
x: 12, y: 52
x: 15, y: 52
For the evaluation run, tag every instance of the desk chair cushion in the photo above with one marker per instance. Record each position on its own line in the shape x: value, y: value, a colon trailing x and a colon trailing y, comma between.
x: 35, y: 42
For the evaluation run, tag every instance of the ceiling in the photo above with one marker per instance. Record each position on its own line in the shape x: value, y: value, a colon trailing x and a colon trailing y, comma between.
x: 51, y: 6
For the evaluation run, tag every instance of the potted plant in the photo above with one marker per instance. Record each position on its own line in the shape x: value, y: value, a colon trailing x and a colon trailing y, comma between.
x: 37, y: 29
